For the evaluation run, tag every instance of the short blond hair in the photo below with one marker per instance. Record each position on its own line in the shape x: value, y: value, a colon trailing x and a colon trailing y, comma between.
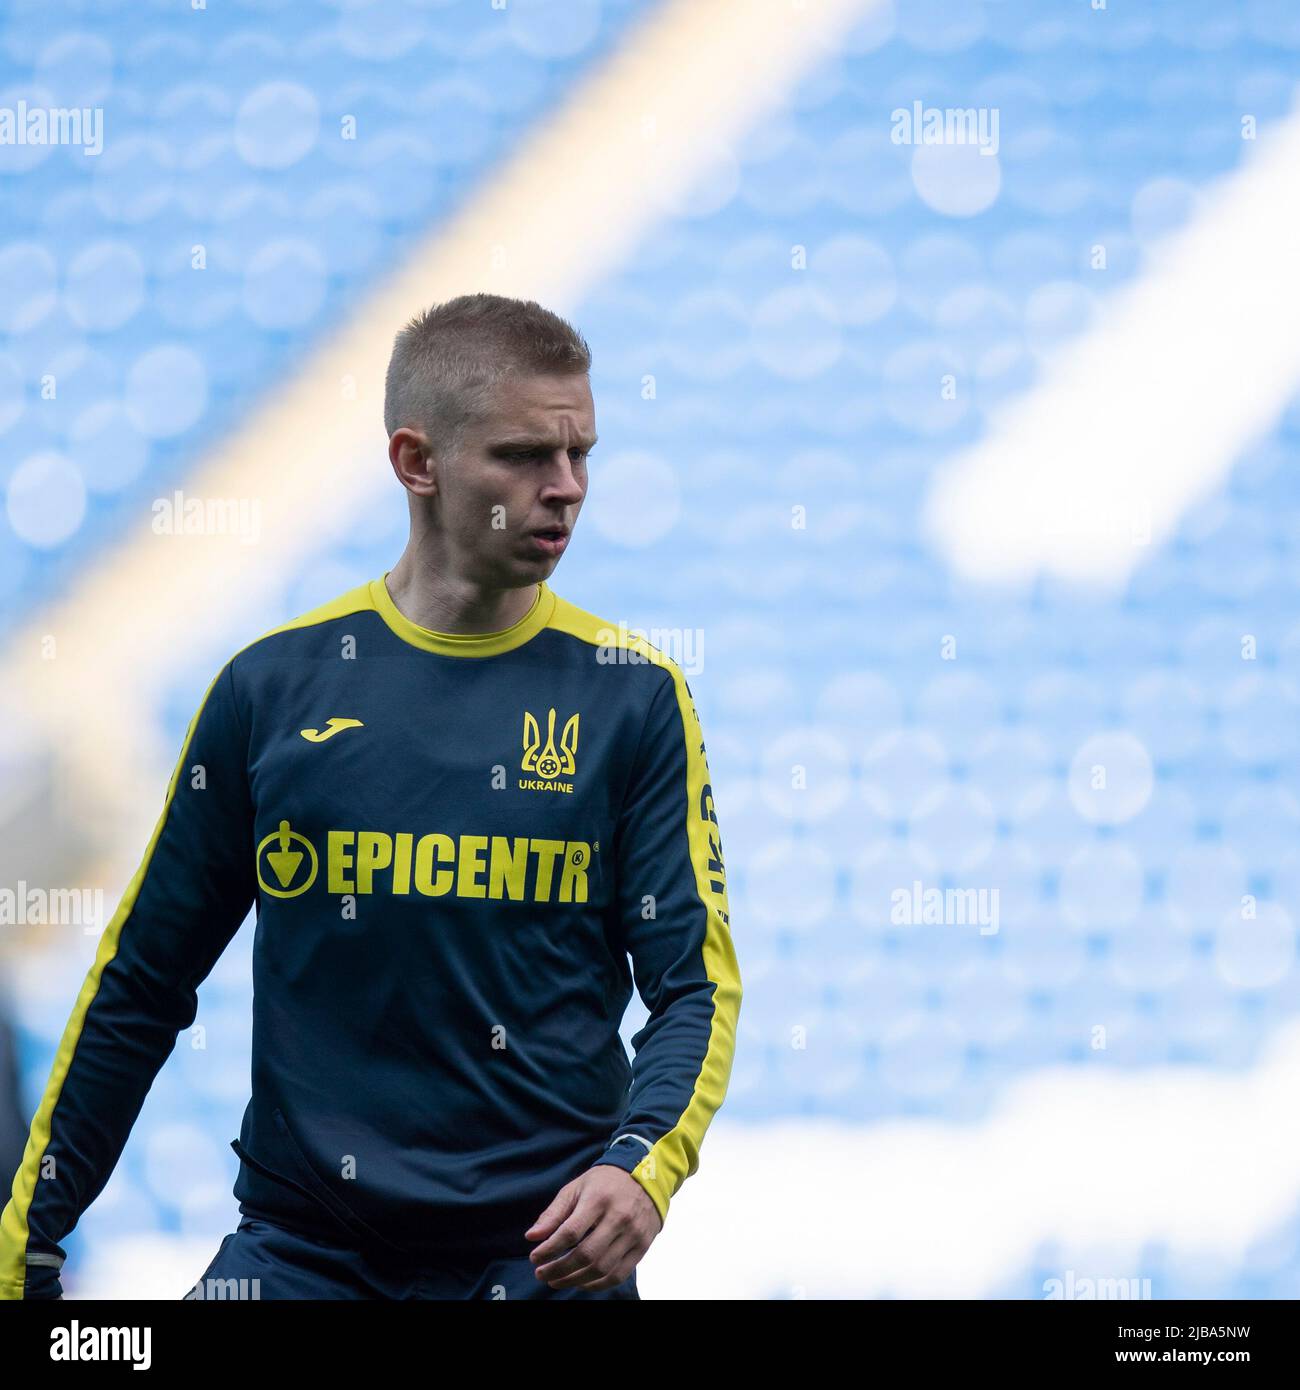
x: 448, y: 360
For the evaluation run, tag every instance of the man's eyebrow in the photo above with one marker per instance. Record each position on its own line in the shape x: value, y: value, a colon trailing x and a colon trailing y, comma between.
x: 538, y: 443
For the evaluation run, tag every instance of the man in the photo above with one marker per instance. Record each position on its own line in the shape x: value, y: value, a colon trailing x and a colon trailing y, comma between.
x: 459, y: 802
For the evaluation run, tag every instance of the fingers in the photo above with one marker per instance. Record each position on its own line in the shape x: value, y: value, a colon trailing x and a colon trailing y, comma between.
x: 547, y: 1223
x: 601, y: 1260
x: 585, y: 1237
x: 608, y: 1274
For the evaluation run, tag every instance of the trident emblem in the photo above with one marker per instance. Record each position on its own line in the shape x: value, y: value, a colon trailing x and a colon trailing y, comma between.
x: 548, y: 762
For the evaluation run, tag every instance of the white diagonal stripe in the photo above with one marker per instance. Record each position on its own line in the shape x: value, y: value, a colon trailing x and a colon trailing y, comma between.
x: 1142, y: 416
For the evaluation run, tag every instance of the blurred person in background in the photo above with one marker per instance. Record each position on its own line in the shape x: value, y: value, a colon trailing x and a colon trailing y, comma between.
x: 13, y: 1129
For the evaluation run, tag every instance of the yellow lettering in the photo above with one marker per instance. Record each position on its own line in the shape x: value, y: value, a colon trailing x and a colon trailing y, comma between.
x: 374, y: 851
x: 471, y: 865
x: 573, y: 881
x: 402, y: 862
x: 340, y: 860
x: 479, y: 866
x: 546, y: 852
x: 425, y: 882
x: 508, y: 869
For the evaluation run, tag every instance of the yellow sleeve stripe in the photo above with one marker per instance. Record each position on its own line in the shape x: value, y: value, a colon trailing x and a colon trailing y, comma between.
x: 14, y: 1231
x: 13, y: 1224
x: 676, y: 1155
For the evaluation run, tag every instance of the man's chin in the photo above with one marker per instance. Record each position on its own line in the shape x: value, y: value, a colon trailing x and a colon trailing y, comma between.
x: 540, y: 566
x: 532, y: 570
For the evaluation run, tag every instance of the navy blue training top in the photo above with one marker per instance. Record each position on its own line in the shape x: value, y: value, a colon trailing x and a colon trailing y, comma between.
x: 454, y: 843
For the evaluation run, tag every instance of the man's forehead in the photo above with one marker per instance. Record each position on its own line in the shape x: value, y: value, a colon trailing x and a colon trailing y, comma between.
x: 540, y: 415
x: 541, y: 395
x: 515, y: 436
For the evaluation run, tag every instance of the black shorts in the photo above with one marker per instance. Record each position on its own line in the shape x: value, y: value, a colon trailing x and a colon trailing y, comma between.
x: 264, y: 1259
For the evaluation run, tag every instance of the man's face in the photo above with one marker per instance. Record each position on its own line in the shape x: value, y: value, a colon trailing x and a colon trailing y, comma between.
x: 520, y: 472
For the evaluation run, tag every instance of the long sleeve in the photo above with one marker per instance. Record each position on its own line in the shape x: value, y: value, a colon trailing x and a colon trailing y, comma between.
x: 671, y: 900
x: 185, y: 902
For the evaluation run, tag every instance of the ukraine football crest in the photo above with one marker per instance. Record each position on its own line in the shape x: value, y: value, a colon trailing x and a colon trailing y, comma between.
x: 545, y: 760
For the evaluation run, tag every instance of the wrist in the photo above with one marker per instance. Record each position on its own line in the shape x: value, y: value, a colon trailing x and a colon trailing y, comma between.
x: 626, y: 1151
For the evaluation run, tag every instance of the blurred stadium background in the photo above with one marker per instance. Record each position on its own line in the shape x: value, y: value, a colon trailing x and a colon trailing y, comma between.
x: 968, y: 468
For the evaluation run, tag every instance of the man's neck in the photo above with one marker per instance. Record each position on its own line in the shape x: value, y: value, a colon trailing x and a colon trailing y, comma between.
x: 430, y: 599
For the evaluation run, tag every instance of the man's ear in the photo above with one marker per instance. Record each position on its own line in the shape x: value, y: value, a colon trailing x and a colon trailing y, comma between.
x: 411, y: 456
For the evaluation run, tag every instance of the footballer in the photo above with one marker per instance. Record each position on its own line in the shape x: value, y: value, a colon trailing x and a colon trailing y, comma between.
x: 470, y: 816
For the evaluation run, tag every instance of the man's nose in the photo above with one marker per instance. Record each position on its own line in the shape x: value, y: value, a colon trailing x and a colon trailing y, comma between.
x: 564, y: 483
